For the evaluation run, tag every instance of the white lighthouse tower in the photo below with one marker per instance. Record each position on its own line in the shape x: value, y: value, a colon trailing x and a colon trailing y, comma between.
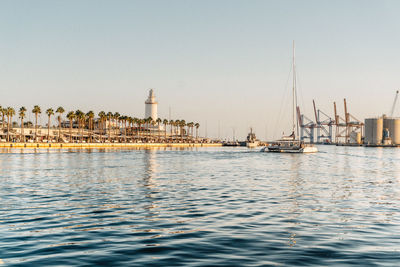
x: 151, y: 106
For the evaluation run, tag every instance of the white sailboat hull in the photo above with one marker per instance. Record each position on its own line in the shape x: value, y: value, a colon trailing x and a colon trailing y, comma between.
x: 283, y: 149
x: 310, y: 149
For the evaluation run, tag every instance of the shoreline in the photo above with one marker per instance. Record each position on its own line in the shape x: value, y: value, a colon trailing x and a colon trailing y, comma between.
x: 104, y: 145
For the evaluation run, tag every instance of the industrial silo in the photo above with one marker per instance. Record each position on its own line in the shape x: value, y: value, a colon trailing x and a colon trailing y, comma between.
x: 355, y: 137
x: 373, y: 131
x: 393, y: 125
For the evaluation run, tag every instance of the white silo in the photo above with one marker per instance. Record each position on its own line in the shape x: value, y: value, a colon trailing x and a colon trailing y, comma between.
x: 355, y: 137
x: 393, y: 125
x: 373, y: 131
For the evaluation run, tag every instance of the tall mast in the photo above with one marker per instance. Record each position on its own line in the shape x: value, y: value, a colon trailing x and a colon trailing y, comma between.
x: 294, y: 90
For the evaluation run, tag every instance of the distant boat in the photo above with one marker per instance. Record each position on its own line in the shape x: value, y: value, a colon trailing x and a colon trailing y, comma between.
x: 251, y: 141
x: 291, y: 143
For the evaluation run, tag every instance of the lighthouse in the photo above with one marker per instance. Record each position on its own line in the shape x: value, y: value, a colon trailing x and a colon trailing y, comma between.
x: 151, y: 106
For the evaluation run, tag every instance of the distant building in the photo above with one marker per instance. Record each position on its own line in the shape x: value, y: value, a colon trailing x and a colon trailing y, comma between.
x: 151, y: 106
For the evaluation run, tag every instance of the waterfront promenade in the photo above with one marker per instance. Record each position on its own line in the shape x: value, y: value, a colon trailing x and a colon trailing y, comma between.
x: 105, y: 145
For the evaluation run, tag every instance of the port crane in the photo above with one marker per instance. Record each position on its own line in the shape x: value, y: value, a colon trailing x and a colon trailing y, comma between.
x: 324, y: 125
x: 394, y: 103
x: 307, y: 127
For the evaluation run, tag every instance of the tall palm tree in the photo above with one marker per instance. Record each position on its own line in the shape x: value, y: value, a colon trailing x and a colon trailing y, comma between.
x: 80, y: 118
x: 149, y: 120
x: 124, y: 120
x: 190, y: 129
x: 171, y: 124
x: 137, y: 122
x: 21, y: 114
x: 165, y: 122
x: 182, y: 125
x: 60, y: 111
x: 152, y: 129
x: 197, y: 125
x: 158, y: 121
x: 3, y: 114
x: 90, y: 116
x: 49, y: 112
x: 10, y: 114
x: 36, y: 110
x: 130, y: 125
x: 177, y: 126
x: 103, y: 118
x: 70, y: 117
x: 109, y: 116
x: 116, y: 118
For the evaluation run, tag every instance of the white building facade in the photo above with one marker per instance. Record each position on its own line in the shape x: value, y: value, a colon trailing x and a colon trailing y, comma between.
x: 151, y: 106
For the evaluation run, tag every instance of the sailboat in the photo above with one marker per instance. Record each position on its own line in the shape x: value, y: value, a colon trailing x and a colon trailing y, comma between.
x: 291, y: 143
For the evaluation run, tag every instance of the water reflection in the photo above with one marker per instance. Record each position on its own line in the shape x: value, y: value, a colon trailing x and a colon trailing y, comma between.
x: 149, y: 183
x: 295, y: 193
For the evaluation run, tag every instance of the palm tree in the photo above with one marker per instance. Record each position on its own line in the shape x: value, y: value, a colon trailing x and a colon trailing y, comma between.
x: 143, y: 123
x: 49, y: 112
x: 197, y: 125
x: 182, y: 125
x: 36, y: 110
x: 80, y: 117
x: 190, y: 129
x: 70, y: 117
x: 152, y: 129
x: 149, y: 120
x: 3, y: 113
x: 171, y: 124
x: 165, y: 122
x: 90, y: 116
x: 158, y: 121
x: 103, y: 119
x: 109, y: 116
x: 116, y: 117
x: 10, y: 114
x: 130, y: 124
x: 21, y: 114
x: 140, y: 122
x: 60, y: 111
x: 124, y: 120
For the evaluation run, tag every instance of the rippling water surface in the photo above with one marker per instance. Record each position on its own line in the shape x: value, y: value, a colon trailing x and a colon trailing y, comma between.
x: 200, y: 207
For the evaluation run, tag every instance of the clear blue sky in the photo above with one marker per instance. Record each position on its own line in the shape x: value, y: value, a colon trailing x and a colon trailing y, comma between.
x: 225, y: 61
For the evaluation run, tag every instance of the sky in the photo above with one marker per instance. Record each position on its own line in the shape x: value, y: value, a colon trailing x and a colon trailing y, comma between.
x: 224, y: 64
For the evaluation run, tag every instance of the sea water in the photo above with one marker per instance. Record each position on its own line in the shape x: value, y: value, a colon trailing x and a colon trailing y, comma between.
x: 200, y: 207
